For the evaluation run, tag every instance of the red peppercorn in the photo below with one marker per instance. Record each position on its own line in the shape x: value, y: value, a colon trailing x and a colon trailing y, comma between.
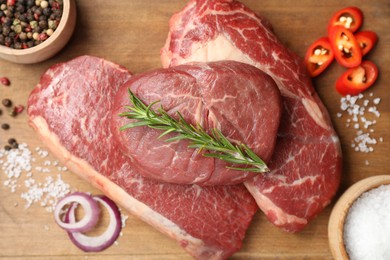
x: 10, y: 2
x: 5, y: 81
x: 19, y: 109
x: 42, y: 36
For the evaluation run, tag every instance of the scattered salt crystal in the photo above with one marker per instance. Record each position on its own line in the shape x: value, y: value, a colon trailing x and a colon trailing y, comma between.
x: 356, y: 107
x: 123, y: 219
x: 367, y: 226
x: 374, y: 111
x: 47, y: 163
x: 18, y: 163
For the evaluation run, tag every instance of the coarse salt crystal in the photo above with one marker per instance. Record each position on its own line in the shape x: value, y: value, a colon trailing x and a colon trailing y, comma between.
x: 355, y: 107
x: 377, y: 101
x: 18, y: 162
x: 367, y: 225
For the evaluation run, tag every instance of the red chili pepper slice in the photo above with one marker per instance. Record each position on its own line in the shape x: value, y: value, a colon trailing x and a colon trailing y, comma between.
x: 350, y: 17
x: 319, y: 56
x: 366, y: 40
x: 356, y: 80
x: 345, y: 46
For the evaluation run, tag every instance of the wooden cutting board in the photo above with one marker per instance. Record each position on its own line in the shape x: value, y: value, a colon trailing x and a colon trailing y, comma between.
x: 131, y: 33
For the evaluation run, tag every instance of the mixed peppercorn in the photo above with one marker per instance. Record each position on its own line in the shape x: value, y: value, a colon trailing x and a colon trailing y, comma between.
x: 7, y: 105
x: 27, y: 23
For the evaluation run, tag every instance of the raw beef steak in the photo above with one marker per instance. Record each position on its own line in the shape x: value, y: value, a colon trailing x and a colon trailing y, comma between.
x: 70, y: 110
x: 306, y: 166
x: 238, y: 99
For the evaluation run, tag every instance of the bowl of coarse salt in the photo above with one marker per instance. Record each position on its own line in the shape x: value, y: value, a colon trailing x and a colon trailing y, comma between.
x: 359, y: 225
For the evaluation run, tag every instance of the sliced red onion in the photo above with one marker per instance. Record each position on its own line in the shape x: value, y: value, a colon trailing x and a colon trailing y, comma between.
x: 103, y: 241
x: 91, y: 212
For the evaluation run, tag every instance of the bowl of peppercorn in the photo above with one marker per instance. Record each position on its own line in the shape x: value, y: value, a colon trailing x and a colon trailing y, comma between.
x: 32, y: 31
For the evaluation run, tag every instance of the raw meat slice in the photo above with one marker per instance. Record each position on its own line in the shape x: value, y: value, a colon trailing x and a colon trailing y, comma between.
x: 70, y: 110
x: 209, y: 94
x: 306, y: 166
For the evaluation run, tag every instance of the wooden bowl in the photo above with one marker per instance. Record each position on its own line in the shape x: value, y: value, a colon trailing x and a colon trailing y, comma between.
x: 51, y: 46
x: 340, y: 211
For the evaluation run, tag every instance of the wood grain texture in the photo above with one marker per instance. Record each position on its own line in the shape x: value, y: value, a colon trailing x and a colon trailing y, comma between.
x: 131, y: 33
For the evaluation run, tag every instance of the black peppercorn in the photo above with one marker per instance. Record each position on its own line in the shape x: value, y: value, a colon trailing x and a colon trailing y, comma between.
x: 17, y: 45
x: 43, y: 24
x: 5, y: 126
x: 30, y: 44
x: 47, y: 11
x: 6, y: 102
x: 20, y: 9
x: 30, y: 3
x: 11, y: 141
x: 7, y: 147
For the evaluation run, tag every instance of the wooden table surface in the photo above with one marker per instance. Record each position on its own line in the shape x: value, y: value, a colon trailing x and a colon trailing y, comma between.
x: 131, y: 33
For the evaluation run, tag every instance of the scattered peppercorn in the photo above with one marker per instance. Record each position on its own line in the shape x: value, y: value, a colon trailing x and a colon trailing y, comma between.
x: 1, y: 112
x: 5, y: 81
x: 6, y: 102
x: 11, y: 141
x: 5, y: 126
x: 20, y: 19
x: 19, y: 109
x: 13, y: 113
x: 7, y: 147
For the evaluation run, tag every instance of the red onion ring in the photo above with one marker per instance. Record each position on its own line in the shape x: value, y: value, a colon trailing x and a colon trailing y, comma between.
x: 91, y: 212
x: 103, y: 241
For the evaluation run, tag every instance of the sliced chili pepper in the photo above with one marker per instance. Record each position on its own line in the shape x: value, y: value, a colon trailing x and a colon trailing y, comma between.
x: 319, y: 56
x: 350, y: 17
x: 345, y: 46
x: 358, y: 79
x: 366, y: 40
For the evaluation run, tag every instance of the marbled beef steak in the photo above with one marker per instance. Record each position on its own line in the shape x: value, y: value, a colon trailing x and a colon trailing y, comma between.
x: 70, y: 110
x: 306, y: 166
x: 238, y: 99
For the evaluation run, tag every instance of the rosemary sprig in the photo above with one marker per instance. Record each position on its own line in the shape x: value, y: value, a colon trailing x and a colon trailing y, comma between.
x: 222, y: 148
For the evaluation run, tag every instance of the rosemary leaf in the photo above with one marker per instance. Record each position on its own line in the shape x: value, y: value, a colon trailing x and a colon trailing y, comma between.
x: 240, y: 155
